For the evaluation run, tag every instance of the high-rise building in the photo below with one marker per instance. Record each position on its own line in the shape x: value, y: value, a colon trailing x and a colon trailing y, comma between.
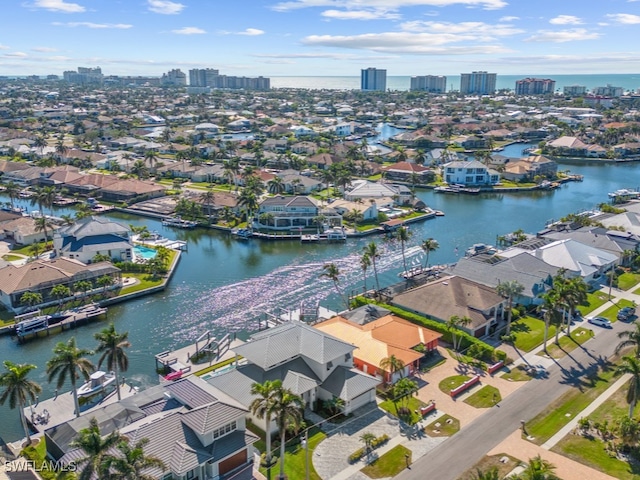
x: 535, y: 86
x: 575, y: 90
x: 202, y: 77
x: 478, y: 83
x: 211, y: 78
x: 175, y: 77
x: 84, y: 76
x: 429, y: 83
x: 608, y: 91
x: 373, y: 79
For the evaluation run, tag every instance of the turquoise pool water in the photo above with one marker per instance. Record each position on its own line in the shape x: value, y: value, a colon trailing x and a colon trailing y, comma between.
x: 144, y: 252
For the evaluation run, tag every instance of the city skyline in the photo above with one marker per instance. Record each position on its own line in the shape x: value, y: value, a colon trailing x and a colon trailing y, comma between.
x: 311, y: 37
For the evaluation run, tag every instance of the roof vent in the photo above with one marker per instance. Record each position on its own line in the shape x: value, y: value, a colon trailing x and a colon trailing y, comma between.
x: 445, y: 283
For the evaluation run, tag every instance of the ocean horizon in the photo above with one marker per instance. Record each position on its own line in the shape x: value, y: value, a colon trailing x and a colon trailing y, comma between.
x: 629, y: 82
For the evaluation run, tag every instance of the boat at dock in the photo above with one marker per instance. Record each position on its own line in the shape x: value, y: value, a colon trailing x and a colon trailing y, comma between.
x: 332, y: 235
x: 31, y: 322
x: 624, y: 194
x: 480, y: 248
x: 35, y: 324
x: 242, y: 233
x: 178, y: 222
x: 456, y: 189
x: 98, y: 382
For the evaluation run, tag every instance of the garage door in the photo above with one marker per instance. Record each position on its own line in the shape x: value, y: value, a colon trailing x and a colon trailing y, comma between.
x: 361, y: 400
x: 233, y: 462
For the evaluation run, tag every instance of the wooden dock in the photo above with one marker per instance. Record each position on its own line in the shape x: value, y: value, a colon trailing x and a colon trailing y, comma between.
x: 70, y: 319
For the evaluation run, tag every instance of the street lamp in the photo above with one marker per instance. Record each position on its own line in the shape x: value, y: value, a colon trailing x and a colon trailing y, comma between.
x: 305, y: 444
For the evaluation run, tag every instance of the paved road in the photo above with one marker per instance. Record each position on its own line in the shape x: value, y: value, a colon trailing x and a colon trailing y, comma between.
x: 452, y: 458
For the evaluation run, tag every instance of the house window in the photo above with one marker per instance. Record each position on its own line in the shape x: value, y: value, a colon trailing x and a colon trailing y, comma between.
x: 329, y: 365
x: 191, y: 475
x: 347, y: 356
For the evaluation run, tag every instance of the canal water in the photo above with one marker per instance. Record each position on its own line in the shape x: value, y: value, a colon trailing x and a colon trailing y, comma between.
x: 224, y: 284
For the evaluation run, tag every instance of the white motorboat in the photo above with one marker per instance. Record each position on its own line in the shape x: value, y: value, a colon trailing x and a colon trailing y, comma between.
x: 98, y: 382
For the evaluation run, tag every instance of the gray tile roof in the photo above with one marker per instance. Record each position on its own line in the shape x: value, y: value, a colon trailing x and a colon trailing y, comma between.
x: 348, y: 383
x: 289, y: 340
x: 190, y: 394
x: 91, y: 226
x: 210, y: 417
x: 365, y: 314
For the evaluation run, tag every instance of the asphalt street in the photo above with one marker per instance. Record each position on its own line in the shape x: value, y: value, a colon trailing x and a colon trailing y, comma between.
x: 452, y: 458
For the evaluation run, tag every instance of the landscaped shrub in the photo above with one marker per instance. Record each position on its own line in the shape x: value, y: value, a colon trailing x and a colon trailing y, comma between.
x: 381, y: 440
x: 375, y: 443
x: 357, y: 455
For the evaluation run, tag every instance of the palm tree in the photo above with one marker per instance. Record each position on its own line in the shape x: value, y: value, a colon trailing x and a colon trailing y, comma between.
x: 509, y: 289
x: 69, y: 361
x: 574, y: 294
x: 104, y: 281
x: 365, y: 263
x: 630, y: 338
x: 371, y: 250
x: 549, y: 312
x: 140, y: 169
x: 262, y: 407
x: 91, y: 442
x: 40, y: 143
x: 208, y: 197
x: 287, y: 411
x: 403, y: 235
x: 249, y: 201
x: 132, y: 462
x: 429, y: 245
x: 61, y: 149
x: 631, y: 365
x: 82, y: 286
x: 332, y: 272
x: 44, y: 197
x: 31, y: 298
x: 18, y: 389
x: 151, y: 156
x: 276, y: 185
x: 454, y: 324
x: 491, y: 474
x: 367, y: 438
x: 60, y: 292
x: 538, y: 469
x: 112, y: 347
x: 42, y: 224
x: 12, y: 190
x: 403, y: 390
x: 392, y: 364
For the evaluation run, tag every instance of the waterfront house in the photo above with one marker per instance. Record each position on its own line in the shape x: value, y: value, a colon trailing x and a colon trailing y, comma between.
x: 40, y: 276
x: 469, y: 173
x: 453, y: 295
x: 311, y: 363
x: 364, y: 190
x: 322, y: 161
x: 23, y: 231
x: 368, y: 210
x: 294, y: 183
x: 293, y: 213
x: 91, y: 236
x: 529, y: 168
x: 408, y: 172
x: 381, y: 338
x: 197, y: 431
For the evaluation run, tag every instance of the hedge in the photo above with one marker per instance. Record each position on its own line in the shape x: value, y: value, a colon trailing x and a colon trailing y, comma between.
x: 466, y: 340
x: 361, y: 452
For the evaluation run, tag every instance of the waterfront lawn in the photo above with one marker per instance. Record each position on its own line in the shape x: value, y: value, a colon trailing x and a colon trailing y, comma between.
x: 12, y: 258
x: 628, y: 280
x: 567, y: 344
x: 486, y: 397
x: 612, y: 312
x: 568, y: 406
x: 295, y: 461
x: 390, y: 464
x: 517, y: 374
x: 145, y: 280
x: 38, y: 455
x: 450, y: 383
x: 529, y: 332
x: 443, y: 426
x: 412, y: 403
x: 591, y: 452
x: 27, y: 249
x: 594, y: 300
x: 490, y: 462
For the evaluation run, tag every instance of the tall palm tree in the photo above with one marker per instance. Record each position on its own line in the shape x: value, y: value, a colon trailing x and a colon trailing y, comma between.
x: 365, y: 263
x: 249, y: 201
x: 392, y: 364
x: 429, y: 245
x: 538, y: 469
x: 43, y: 224
x: 574, y: 294
x: 454, y: 325
x: 44, y: 197
x: 112, y: 347
x: 69, y: 361
x: 631, y: 365
x: 550, y: 314
x: 509, y: 289
x: 287, y: 410
x: 18, y: 389
x: 403, y: 235
x: 332, y: 272
x: 630, y: 338
x: 61, y: 149
x: 12, y: 190
x: 261, y: 407
x: 96, y: 447
x: 40, y: 143
x: 372, y: 251
x: 208, y: 197
x: 276, y: 185
x: 151, y: 156
x: 132, y: 463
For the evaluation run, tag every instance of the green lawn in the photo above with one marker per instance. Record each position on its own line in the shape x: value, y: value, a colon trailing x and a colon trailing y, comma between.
x: 486, y: 397
x: 442, y: 427
x: 591, y: 452
x: 216, y: 366
x: 145, y: 282
x: 612, y: 312
x: 517, y: 374
x: 412, y: 403
x: 628, y: 280
x: 594, y: 300
x: 567, y: 344
x: 294, y: 465
x: 614, y: 407
x: 450, y: 383
x: 11, y: 258
x: 529, y: 333
x: 26, y: 250
x: 564, y: 409
x: 388, y: 465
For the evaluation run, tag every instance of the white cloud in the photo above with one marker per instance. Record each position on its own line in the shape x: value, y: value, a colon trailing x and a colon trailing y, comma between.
x: 481, y: 31
x: 508, y: 19
x: 315, y: 55
x: 117, y: 26
x: 563, y: 36
x: 249, y: 32
x: 626, y: 18
x: 566, y: 20
x: 165, y: 7
x: 44, y: 49
x: 4, y: 47
x: 384, y: 4
x: 360, y: 15
x: 405, y: 42
x: 15, y: 55
x: 59, y: 6
x: 189, y: 31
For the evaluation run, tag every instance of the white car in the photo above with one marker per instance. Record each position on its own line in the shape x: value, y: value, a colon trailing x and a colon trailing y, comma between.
x: 599, y: 321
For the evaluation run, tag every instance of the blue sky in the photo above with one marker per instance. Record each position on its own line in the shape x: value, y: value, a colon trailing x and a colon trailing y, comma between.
x: 321, y: 37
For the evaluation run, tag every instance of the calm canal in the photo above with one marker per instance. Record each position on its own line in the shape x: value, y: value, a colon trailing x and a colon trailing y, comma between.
x: 223, y: 284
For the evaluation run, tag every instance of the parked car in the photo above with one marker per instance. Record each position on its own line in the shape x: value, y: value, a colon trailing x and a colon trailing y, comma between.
x: 628, y: 311
x: 599, y: 321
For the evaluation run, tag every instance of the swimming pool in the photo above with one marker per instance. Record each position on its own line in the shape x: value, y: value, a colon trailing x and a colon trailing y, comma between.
x: 144, y: 252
